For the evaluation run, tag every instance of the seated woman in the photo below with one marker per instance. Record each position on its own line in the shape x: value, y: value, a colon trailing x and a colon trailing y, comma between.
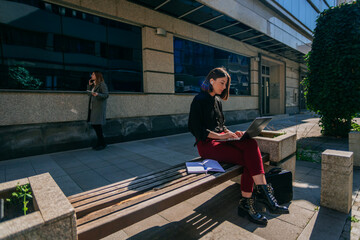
x: 206, y: 123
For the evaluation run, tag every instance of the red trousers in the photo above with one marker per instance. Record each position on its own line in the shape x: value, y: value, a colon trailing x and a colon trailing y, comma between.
x: 245, y: 153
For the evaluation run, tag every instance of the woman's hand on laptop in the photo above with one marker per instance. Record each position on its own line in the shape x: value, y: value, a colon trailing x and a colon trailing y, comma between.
x: 229, y: 135
x: 239, y: 133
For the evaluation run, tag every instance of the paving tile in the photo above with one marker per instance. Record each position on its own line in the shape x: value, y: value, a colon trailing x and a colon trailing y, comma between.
x: 149, y: 224
x: 138, y: 170
x: 89, y: 180
x: 229, y: 231
x: 107, y: 170
x: 18, y: 169
x: 305, y: 204
x: 116, y: 236
x: 278, y: 229
x: 324, y: 224
x: 298, y: 216
x: 178, y: 212
x: 97, y: 164
x: 315, y: 172
x: 67, y: 185
x: 54, y: 172
x: 128, y: 164
x: 68, y: 163
x: 44, y: 164
x: 311, y: 193
x: 76, y: 169
x: 118, y: 176
x: 199, y: 199
x: 18, y: 175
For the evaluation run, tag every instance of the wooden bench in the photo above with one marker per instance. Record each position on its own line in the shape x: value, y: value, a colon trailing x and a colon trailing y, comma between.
x: 105, y: 210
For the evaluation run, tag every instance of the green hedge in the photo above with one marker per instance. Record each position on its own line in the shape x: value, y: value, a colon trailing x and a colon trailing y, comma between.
x: 332, y: 85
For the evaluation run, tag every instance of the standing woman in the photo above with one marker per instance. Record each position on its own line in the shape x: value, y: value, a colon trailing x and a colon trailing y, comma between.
x: 206, y: 123
x: 98, y: 93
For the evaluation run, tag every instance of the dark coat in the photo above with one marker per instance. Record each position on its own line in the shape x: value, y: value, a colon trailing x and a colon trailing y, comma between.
x: 97, y: 105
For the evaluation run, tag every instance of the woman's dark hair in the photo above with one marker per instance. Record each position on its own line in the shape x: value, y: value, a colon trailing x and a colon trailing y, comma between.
x: 99, y: 77
x: 214, y: 74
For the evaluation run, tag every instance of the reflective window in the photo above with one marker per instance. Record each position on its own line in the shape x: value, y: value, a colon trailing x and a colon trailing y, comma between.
x: 47, y: 47
x: 193, y: 61
x: 304, y: 12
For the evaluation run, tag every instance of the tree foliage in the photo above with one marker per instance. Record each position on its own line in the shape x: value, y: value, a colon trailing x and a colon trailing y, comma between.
x: 24, y: 79
x: 332, y: 85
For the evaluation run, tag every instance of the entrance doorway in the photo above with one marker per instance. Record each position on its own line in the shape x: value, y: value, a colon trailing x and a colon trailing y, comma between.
x: 272, y: 86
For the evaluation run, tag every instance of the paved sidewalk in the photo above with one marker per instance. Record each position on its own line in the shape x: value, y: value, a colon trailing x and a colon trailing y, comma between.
x: 211, y: 215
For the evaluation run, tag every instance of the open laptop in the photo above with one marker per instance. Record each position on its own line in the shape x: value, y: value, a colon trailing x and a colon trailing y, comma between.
x: 253, y: 130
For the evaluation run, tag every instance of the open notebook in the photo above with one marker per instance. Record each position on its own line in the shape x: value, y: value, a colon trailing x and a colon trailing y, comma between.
x: 253, y: 130
x: 208, y: 165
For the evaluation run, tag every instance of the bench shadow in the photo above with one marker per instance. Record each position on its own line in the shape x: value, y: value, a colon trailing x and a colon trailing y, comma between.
x: 222, y: 207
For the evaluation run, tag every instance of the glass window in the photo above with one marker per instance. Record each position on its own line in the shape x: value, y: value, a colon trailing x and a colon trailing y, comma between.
x: 193, y: 61
x: 48, y: 47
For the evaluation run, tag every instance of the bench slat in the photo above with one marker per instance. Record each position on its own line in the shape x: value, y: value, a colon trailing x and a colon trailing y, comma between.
x: 101, y: 202
x: 111, y: 223
x: 126, y: 186
x: 143, y: 196
x: 116, y: 198
x: 84, y: 195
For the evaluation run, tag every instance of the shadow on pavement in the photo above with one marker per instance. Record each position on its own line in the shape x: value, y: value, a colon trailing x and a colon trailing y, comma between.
x: 208, y: 216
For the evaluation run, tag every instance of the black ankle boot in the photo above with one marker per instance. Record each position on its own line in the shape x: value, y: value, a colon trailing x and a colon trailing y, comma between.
x: 246, y: 208
x: 265, y: 195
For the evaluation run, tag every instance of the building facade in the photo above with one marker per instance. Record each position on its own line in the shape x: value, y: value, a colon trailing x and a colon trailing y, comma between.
x: 154, y: 55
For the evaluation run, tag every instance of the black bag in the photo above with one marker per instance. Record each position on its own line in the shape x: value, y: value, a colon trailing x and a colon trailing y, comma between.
x: 281, y: 181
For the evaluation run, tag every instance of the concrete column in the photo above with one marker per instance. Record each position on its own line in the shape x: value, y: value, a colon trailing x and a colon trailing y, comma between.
x: 336, y: 180
x: 158, y: 61
x: 254, y: 76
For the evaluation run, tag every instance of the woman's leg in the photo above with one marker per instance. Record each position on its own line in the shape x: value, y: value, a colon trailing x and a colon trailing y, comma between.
x: 100, y: 137
x: 245, y: 153
x: 224, y: 152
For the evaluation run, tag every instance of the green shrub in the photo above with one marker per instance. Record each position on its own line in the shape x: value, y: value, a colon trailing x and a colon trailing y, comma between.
x: 332, y: 85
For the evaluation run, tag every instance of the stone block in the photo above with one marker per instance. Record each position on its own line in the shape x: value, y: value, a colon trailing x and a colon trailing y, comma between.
x: 54, y: 217
x: 354, y: 146
x: 153, y: 41
x: 336, y: 180
x: 107, y: 6
x: 159, y: 82
x: 278, y: 147
x: 158, y: 61
x: 131, y: 11
x: 185, y: 29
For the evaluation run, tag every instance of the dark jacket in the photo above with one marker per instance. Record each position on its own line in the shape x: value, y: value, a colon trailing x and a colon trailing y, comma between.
x: 206, y: 115
x: 97, y: 105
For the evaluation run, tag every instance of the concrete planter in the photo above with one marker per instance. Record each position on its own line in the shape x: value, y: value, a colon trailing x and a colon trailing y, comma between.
x: 354, y: 146
x: 54, y: 217
x: 281, y: 148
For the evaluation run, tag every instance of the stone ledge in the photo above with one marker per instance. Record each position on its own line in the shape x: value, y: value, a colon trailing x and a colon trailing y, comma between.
x: 54, y: 215
x: 278, y: 147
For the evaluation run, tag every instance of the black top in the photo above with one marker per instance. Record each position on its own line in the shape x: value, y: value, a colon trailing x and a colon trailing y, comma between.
x: 205, y: 115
